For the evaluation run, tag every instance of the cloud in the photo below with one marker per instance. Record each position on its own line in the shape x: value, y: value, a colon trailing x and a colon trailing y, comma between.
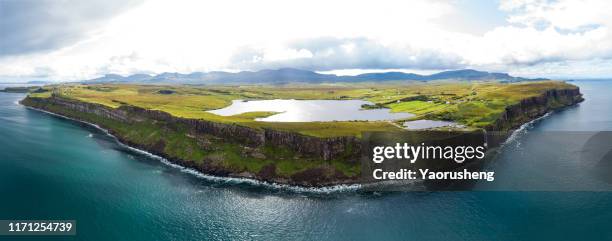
x: 29, y: 26
x: 537, y: 33
x: 562, y: 14
x: 80, y: 40
x: 555, y: 31
x: 329, y: 53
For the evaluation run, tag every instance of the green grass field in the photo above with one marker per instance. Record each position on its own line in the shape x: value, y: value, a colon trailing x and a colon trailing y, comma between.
x: 473, y: 104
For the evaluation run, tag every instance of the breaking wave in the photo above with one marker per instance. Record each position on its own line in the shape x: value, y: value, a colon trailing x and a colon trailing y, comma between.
x: 217, y: 179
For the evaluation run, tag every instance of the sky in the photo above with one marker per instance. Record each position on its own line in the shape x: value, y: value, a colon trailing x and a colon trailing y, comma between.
x: 65, y: 40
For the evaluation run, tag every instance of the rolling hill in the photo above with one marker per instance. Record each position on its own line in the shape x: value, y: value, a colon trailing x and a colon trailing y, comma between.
x: 290, y: 75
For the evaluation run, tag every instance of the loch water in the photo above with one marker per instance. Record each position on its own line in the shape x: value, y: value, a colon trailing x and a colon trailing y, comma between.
x: 311, y: 110
x: 53, y: 168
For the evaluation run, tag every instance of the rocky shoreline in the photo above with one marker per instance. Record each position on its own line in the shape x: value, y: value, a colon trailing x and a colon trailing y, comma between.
x: 247, y: 138
x: 534, y: 107
x: 346, y: 149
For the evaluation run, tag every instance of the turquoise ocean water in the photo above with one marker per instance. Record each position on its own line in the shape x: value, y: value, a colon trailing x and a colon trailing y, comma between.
x: 52, y: 168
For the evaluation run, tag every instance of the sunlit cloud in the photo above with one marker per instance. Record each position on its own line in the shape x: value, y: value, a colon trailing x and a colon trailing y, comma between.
x: 531, y: 38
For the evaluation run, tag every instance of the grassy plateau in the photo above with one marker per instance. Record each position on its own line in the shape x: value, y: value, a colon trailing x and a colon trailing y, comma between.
x: 472, y: 104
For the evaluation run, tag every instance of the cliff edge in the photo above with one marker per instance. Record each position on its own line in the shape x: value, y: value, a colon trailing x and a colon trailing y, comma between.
x: 265, y: 154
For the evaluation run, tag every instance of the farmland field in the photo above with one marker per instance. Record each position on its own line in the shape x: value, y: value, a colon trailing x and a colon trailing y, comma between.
x: 472, y: 104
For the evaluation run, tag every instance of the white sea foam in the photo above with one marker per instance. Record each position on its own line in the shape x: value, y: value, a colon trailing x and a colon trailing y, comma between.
x: 524, y: 128
x: 227, y: 180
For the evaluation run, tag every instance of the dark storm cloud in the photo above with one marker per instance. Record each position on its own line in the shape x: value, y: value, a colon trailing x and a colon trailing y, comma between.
x: 354, y: 53
x: 28, y: 26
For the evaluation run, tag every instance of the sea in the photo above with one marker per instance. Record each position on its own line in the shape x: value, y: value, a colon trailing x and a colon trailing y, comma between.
x: 552, y: 183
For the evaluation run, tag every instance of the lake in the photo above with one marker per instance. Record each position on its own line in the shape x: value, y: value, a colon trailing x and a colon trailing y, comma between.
x: 426, y: 124
x: 52, y: 168
x: 311, y: 110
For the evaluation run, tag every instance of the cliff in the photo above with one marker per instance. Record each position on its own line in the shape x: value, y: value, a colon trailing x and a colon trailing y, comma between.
x: 226, y: 149
x: 534, y: 107
x: 248, y: 143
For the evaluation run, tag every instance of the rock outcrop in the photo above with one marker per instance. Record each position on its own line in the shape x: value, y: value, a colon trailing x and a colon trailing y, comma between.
x: 323, y: 148
x: 534, y: 107
x: 347, y: 149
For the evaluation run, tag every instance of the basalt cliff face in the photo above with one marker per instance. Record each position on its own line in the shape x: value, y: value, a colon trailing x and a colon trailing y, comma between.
x: 343, y: 149
x: 531, y: 108
x: 251, y: 141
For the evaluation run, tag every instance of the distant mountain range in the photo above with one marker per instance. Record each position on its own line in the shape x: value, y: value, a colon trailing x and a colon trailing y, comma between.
x: 290, y: 75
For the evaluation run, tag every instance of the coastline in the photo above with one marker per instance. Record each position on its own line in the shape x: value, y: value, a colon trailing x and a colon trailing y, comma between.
x: 220, y: 179
x: 226, y: 174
